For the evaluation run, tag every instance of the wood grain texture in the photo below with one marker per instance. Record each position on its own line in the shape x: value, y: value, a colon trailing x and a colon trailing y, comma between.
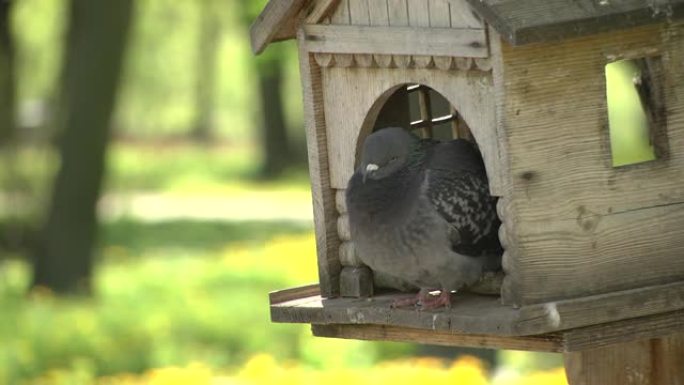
x: 379, y: 16
x: 341, y: 201
x: 356, y: 282
x: 274, y: 21
x: 398, y: 17
x: 353, y: 100
x: 360, y: 16
x: 321, y: 10
x: 323, y: 196
x: 324, y: 59
x: 395, y: 41
x: 341, y: 17
x: 643, y: 362
x: 652, y: 311
x: 462, y: 15
x: 523, y: 22
x: 419, y: 16
x: 348, y: 255
x: 582, y: 226
x: 343, y: 230
x: 596, y: 336
x: 440, y: 17
x: 402, y: 334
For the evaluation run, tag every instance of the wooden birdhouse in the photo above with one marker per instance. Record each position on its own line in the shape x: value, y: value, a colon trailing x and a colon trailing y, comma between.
x: 594, y: 247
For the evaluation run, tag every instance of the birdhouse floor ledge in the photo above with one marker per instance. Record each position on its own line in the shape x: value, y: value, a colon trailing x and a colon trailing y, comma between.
x: 482, y: 321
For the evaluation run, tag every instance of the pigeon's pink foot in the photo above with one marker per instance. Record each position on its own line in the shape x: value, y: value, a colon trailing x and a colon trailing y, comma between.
x: 411, y: 301
x: 425, y: 300
x: 430, y: 301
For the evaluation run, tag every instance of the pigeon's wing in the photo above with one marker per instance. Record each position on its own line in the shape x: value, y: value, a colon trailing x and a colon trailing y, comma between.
x: 459, y: 192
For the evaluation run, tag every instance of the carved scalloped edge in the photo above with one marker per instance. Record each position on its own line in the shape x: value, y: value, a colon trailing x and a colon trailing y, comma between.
x: 444, y: 63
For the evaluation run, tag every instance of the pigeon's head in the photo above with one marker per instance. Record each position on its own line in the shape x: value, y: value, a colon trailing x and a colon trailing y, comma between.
x: 386, y: 151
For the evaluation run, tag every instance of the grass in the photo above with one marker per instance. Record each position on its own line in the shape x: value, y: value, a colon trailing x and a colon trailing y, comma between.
x: 184, y: 300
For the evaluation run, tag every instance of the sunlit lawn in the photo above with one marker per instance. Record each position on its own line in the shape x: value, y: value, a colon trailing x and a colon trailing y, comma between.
x: 183, y: 299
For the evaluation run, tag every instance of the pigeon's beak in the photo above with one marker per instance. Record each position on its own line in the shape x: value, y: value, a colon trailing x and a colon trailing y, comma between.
x: 370, y: 168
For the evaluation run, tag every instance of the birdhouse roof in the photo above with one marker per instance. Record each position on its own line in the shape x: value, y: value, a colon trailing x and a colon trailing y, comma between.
x: 527, y: 21
x: 518, y: 21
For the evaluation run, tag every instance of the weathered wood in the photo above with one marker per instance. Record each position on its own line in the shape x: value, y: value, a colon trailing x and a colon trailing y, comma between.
x: 348, y: 255
x: 358, y: 11
x: 550, y: 343
x: 425, y: 108
x: 341, y: 201
x: 324, y: 59
x: 440, y: 17
x: 463, y: 63
x: 586, y: 227
x: 395, y: 40
x: 522, y: 22
x: 379, y: 16
x: 398, y: 17
x: 323, y: 196
x: 294, y: 293
x: 654, y: 326
x: 354, y: 98
x: 274, y: 23
x: 341, y: 17
x: 463, y: 15
x: 356, y: 281
x: 477, y: 314
x: 321, y: 10
x: 343, y: 230
x: 642, y: 362
x: 419, y: 16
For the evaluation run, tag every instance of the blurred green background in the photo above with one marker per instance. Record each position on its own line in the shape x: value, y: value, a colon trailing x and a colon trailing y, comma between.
x: 153, y: 190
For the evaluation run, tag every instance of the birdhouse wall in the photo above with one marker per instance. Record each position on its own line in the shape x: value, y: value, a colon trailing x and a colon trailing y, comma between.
x: 574, y: 225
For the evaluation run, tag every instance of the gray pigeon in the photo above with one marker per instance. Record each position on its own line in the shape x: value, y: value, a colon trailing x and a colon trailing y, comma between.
x: 420, y: 212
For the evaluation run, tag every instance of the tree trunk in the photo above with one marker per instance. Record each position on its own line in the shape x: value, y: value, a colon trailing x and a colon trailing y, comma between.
x: 95, y: 49
x: 210, y: 28
x: 274, y: 141
x: 7, y: 81
x: 658, y: 361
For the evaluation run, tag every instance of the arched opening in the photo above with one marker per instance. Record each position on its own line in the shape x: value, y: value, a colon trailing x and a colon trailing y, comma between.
x: 428, y: 114
x: 418, y: 108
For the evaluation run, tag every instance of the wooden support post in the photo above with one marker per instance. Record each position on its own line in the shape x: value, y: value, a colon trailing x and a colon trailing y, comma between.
x: 657, y: 361
x: 425, y: 112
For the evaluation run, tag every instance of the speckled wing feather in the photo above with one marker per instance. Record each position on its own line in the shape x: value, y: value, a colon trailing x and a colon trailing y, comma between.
x: 458, y: 190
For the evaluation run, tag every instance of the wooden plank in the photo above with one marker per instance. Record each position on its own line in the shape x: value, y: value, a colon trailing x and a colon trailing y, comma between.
x: 551, y: 343
x: 463, y: 15
x: 398, y: 17
x: 358, y: 10
x: 655, y: 326
x: 341, y: 17
x: 395, y: 40
x: 477, y: 314
x: 356, y: 281
x: 580, y: 224
x: 323, y: 196
x: 341, y: 14
x: 440, y: 17
x: 523, y: 22
x: 269, y: 23
x: 598, y: 309
x: 644, y: 362
x: 352, y: 97
x: 379, y: 16
x: 280, y: 296
x: 321, y: 10
x: 419, y: 16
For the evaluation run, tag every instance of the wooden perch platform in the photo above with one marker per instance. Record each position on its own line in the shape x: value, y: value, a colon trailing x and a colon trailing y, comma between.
x: 481, y: 321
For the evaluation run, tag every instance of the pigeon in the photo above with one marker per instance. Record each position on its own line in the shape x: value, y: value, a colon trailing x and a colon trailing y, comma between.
x: 420, y: 212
